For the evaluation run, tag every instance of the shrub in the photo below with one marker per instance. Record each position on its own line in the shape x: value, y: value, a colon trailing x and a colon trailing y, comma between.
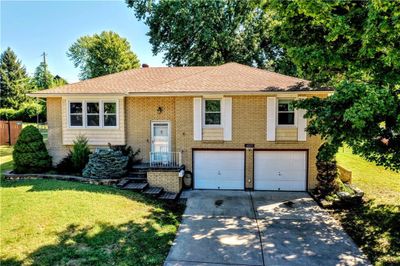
x: 327, y: 169
x: 127, y: 151
x: 106, y: 164
x: 8, y: 114
x: 30, y: 154
x: 80, y: 153
x: 65, y: 166
x: 27, y: 112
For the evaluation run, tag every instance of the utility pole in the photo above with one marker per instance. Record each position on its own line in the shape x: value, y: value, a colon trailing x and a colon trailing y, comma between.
x: 45, y: 80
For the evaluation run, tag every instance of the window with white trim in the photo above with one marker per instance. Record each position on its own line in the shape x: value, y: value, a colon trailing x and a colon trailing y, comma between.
x: 286, y: 113
x: 93, y: 114
x: 212, y: 112
x: 76, y: 114
x: 110, y: 114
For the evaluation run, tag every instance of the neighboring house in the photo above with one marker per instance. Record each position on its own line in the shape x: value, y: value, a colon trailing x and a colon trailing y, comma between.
x: 232, y: 125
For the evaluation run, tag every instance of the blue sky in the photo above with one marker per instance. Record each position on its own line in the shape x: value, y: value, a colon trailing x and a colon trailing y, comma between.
x: 32, y: 27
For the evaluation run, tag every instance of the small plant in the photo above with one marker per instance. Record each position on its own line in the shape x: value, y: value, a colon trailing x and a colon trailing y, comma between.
x: 65, y: 166
x: 30, y: 154
x: 80, y: 153
x: 106, y: 164
x: 327, y: 170
x: 127, y: 151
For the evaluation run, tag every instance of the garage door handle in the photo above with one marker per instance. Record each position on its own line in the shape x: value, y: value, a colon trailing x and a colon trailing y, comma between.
x: 219, y: 172
x: 279, y: 173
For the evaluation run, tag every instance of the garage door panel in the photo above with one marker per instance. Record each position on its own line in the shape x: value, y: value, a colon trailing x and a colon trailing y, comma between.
x: 219, y: 169
x: 280, y: 170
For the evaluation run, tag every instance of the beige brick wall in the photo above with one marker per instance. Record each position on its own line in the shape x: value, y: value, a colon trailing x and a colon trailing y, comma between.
x: 54, y: 121
x: 170, y: 181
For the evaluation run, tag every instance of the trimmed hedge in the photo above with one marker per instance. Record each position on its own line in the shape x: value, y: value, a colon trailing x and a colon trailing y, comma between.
x: 106, y: 164
x: 30, y: 154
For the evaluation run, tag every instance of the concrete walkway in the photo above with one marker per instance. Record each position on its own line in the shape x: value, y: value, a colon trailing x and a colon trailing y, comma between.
x: 258, y: 228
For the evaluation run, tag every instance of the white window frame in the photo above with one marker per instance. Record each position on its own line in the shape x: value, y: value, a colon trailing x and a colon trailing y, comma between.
x: 220, y: 125
x: 277, y: 113
x: 88, y: 114
x: 116, y: 113
x: 84, y: 113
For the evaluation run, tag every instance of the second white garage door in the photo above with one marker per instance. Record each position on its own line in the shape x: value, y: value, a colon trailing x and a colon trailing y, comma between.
x: 280, y: 170
x: 218, y: 169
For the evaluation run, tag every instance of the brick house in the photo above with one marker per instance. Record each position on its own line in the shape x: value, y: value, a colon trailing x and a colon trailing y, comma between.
x: 232, y: 125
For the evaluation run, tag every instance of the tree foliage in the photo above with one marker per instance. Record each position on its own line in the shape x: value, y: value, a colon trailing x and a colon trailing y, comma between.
x: 30, y: 154
x: 102, y: 54
x: 14, y: 81
x: 44, y: 79
x: 106, y: 164
x: 353, y: 46
x: 206, y: 32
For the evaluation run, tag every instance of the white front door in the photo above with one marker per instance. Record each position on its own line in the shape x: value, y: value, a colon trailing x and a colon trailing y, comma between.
x: 280, y: 170
x: 160, y: 137
x: 218, y: 169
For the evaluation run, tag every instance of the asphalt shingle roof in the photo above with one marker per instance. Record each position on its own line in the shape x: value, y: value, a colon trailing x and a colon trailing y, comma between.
x: 230, y: 77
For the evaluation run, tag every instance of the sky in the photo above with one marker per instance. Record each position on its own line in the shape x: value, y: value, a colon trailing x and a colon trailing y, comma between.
x: 33, y: 27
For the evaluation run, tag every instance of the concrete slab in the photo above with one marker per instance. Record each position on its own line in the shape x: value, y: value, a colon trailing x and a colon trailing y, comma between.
x: 215, y: 203
x: 305, y: 242
x: 286, y: 205
x: 216, y: 240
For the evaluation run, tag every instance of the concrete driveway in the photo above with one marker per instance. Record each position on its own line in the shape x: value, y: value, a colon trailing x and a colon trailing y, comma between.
x: 258, y: 228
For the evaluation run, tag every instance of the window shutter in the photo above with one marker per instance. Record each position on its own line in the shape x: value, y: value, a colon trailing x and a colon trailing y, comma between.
x: 197, y: 121
x: 301, y: 124
x: 227, y: 118
x: 271, y: 118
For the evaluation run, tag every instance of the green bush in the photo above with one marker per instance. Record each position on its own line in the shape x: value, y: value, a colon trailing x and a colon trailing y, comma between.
x: 80, y: 153
x: 8, y: 114
x: 127, y: 151
x: 30, y: 154
x: 106, y: 164
x: 27, y: 112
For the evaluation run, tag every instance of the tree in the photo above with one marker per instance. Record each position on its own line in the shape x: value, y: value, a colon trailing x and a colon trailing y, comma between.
x: 206, y: 32
x: 354, y: 47
x: 43, y: 79
x: 30, y: 154
x: 14, y: 81
x: 102, y: 54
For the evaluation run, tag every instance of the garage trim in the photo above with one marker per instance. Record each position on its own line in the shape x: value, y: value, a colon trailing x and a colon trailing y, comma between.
x: 307, y: 161
x: 217, y: 149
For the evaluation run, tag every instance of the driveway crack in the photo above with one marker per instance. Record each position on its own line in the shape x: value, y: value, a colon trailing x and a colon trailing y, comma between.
x: 258, y: 227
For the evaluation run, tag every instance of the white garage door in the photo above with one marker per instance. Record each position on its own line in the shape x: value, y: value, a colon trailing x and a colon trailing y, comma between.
x: 218, y: 169
x: 280, y: 170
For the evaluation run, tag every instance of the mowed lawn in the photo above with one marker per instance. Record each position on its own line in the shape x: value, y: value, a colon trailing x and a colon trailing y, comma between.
x: 49, y: 222
x: 375, y: 226
x: 6, y: 160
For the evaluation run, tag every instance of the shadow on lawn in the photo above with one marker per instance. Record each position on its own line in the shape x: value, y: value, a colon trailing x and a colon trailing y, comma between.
x: 376, y: 229
x: 39, y: 185
x: 126, y: 244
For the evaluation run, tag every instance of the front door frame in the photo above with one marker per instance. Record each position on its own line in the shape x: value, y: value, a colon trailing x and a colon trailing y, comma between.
x: 152, y: 133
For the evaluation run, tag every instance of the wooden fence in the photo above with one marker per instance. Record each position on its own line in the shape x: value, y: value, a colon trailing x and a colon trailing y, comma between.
x: 9, y: 132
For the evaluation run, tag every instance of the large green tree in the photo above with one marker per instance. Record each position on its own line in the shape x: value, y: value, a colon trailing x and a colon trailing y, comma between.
x: 102, y: 54
x: 44, y: 79
x: 353, y: 46
x: 14, y: 81
x: 203, y: 32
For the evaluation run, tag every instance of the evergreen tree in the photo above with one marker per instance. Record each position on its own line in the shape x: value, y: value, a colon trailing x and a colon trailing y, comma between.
x: 14, y: 81
x: 43, y: 78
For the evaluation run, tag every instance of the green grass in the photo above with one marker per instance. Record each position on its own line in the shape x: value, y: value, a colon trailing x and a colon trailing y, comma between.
x: 49, y: 222
x: 6, y: 160
x: 374, y: 226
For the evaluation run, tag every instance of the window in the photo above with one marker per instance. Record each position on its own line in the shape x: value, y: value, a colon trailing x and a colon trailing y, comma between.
x: 110, y: 114
x: 76, y: 115
x: 92, y: 114
x: 212, y: 112
x: 285, y: 112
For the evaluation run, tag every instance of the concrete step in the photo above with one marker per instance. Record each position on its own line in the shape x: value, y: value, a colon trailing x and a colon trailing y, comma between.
x: 153, y: 191
x: 123, y: 182
x: 168, y: 196
x: 136, y: 186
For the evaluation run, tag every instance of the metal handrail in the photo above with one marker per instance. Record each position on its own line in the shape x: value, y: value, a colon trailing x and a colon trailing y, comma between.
x: 165, y: 159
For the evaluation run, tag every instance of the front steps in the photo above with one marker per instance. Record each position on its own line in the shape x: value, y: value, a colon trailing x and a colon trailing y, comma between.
x: 136, y: 180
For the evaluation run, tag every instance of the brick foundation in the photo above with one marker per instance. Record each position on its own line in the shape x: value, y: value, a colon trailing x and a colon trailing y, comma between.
x: 169, y: 180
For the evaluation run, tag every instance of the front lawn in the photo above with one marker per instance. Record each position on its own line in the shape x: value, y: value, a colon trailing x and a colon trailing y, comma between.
x: 49, y: 222
x: 6, y: 160
x: 375, y: 226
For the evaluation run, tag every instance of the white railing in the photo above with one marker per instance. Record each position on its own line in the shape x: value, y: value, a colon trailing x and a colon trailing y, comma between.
x: 165, y: 159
